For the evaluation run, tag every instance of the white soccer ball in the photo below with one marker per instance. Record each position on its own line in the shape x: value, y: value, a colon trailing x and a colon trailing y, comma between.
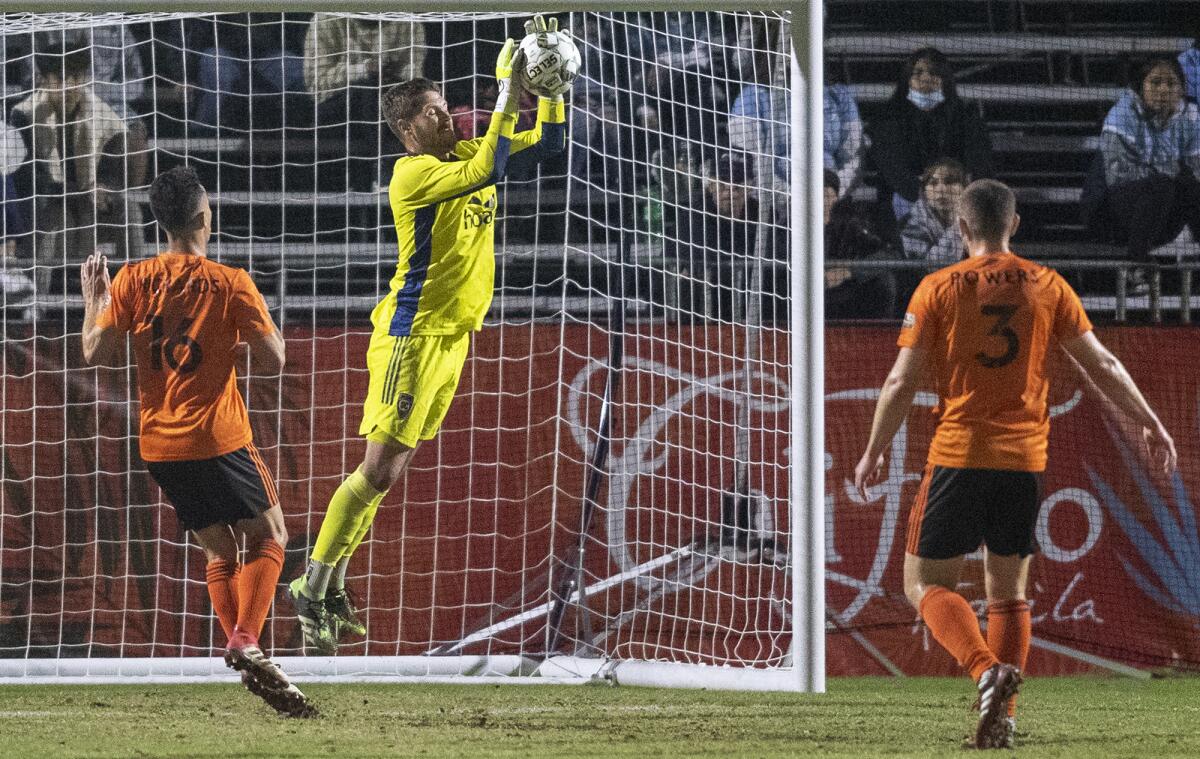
x: 549, y: 71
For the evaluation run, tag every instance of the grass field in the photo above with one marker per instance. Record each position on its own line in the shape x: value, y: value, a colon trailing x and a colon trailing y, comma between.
x: 1084, y: 717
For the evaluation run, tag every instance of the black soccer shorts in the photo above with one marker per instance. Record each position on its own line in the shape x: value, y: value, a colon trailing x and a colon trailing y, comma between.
x: 958, y: 509
x: 222, y: 490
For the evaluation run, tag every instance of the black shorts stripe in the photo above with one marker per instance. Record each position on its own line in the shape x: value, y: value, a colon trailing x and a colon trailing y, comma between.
x: 393, y: 371
x: 265, y: 473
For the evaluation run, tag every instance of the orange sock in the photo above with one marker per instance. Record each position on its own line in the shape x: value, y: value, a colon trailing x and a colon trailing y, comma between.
x: 256, y: 590
x: 953, y: 625
x: 1008, y: 634
x: 222, y: 580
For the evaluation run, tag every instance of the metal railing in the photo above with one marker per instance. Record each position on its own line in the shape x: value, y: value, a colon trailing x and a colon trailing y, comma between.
x: 1118, y: 304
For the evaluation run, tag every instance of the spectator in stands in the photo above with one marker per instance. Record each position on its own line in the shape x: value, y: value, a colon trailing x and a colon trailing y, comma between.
x: 723, y: 244
x: 844, y: 141
x: 931, y: 230
x: 116, y: 55
x: 1190, y: 61
x: 1150, y: 148
x: 346, y: 61
x: 244, y: 54
x: 15, y: 287
x: 923, y: 121
x: 854, y: 293
x: 759, y: 124
x: 84, y: 158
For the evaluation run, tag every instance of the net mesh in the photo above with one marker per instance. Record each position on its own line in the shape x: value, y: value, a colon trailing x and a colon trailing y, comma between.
x: 640, y: 245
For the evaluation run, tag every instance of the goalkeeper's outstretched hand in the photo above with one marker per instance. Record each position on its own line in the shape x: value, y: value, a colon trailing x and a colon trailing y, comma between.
x: 547, y: 34
x: 546, y: 31
x: 508, y: 84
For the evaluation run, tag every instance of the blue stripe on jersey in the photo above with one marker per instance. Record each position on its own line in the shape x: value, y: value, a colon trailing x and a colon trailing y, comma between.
x: 408, y: 297
x: 554, y: 135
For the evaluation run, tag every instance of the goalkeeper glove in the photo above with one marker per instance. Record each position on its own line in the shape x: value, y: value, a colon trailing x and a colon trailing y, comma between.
x: 508, y: 83
x: 547, y: 37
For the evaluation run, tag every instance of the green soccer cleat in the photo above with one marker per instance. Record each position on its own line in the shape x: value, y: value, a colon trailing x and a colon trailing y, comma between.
x: 315, y: 623
x: 342, y: 611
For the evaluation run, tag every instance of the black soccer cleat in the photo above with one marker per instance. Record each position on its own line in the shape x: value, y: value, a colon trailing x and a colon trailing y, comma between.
x: 996, y: 688
x: 316, y: 626
x: 341, y: 608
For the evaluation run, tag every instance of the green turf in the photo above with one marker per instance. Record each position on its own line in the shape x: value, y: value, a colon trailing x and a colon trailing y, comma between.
x: 1085, y: 717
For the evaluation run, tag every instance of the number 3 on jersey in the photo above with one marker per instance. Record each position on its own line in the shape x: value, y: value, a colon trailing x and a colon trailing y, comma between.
x: 1002, y: 314
x: 164, y: 347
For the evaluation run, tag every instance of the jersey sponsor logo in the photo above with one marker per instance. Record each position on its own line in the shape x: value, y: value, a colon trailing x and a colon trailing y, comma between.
x: 910, y: 320
x: 479, y: 213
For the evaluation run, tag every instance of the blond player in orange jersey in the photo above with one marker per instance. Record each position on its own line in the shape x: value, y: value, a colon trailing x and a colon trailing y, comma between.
x: 186, y: 316
x: 982, y: 330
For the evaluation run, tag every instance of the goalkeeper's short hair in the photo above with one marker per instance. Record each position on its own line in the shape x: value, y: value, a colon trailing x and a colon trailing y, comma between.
x: 400, y: 101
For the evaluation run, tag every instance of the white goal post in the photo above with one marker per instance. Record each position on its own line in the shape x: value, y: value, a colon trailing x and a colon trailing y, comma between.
x: 630, y: 484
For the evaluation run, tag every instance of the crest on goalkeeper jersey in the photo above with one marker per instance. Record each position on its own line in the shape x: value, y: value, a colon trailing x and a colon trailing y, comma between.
x: 550, y: 71
x: 404, y: 406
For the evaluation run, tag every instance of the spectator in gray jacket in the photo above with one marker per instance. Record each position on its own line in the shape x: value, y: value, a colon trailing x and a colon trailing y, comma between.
x: 1150, y: 147
x: 931, y: 230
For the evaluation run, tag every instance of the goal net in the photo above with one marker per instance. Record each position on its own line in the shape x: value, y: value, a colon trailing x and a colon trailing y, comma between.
x: 619, y: 488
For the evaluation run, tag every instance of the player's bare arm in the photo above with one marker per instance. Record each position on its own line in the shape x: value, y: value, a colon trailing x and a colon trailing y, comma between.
x: 100, y: 344
x: 267, y: 352
x: 895, y: 399
x: 1110, y: 375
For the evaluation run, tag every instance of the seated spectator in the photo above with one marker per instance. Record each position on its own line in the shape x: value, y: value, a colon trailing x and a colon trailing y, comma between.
x: 116, y: 55
x: 854, y: 293
x: 1150, y: 148
x: 844, y: 141
x: 16, y: 288
x: 81, y: 199
x: 923, y: 121
x: 722, y: 246
x: 1189, y: 60
x: 931, y: 230
x: 346, y: 61
x: 239, y: 55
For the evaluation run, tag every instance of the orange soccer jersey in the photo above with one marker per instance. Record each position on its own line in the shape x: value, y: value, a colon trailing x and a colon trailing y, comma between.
x: 986, y: 324
x: 186, y: 314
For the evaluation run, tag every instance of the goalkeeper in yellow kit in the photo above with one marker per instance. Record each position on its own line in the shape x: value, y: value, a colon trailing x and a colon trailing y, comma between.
x: 443, y: 199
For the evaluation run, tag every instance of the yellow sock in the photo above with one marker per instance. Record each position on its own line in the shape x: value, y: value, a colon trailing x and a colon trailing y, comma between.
x: 350, y: 503
x: 364, y: 526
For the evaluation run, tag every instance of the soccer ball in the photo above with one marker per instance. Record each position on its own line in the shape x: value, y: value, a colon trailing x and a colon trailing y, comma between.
x: 549, y: 71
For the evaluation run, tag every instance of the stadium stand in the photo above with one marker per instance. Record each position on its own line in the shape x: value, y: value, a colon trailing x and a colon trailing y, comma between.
x: 1042, y: 73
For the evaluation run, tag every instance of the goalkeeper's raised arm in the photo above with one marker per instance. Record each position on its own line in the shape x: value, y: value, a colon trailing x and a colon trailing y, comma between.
x: 549, y: 136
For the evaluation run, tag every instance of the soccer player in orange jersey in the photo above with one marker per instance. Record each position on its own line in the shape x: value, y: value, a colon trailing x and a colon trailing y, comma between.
x: 187, y: 316
x: 983, y: 328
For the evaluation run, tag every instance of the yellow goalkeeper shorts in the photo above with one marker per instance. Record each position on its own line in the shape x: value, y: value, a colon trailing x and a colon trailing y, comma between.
x: 413, y: 379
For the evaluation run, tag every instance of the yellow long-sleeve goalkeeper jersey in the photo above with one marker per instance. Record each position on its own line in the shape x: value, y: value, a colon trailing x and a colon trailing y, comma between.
x: 445, y: 212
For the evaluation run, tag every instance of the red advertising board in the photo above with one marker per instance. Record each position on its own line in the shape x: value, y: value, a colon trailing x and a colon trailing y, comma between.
x: 91, y: 562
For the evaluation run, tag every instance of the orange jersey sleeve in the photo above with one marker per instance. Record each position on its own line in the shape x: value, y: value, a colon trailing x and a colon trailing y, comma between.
x: 121, y: 304
x: 247, y: 307
x: 1070, y: 320
x: 920, y: 326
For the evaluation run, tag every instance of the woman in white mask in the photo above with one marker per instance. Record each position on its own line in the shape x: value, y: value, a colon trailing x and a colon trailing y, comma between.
x: 923, y: 121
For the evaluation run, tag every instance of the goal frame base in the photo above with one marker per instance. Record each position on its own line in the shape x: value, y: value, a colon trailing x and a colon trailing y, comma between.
x: 481, y: 670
